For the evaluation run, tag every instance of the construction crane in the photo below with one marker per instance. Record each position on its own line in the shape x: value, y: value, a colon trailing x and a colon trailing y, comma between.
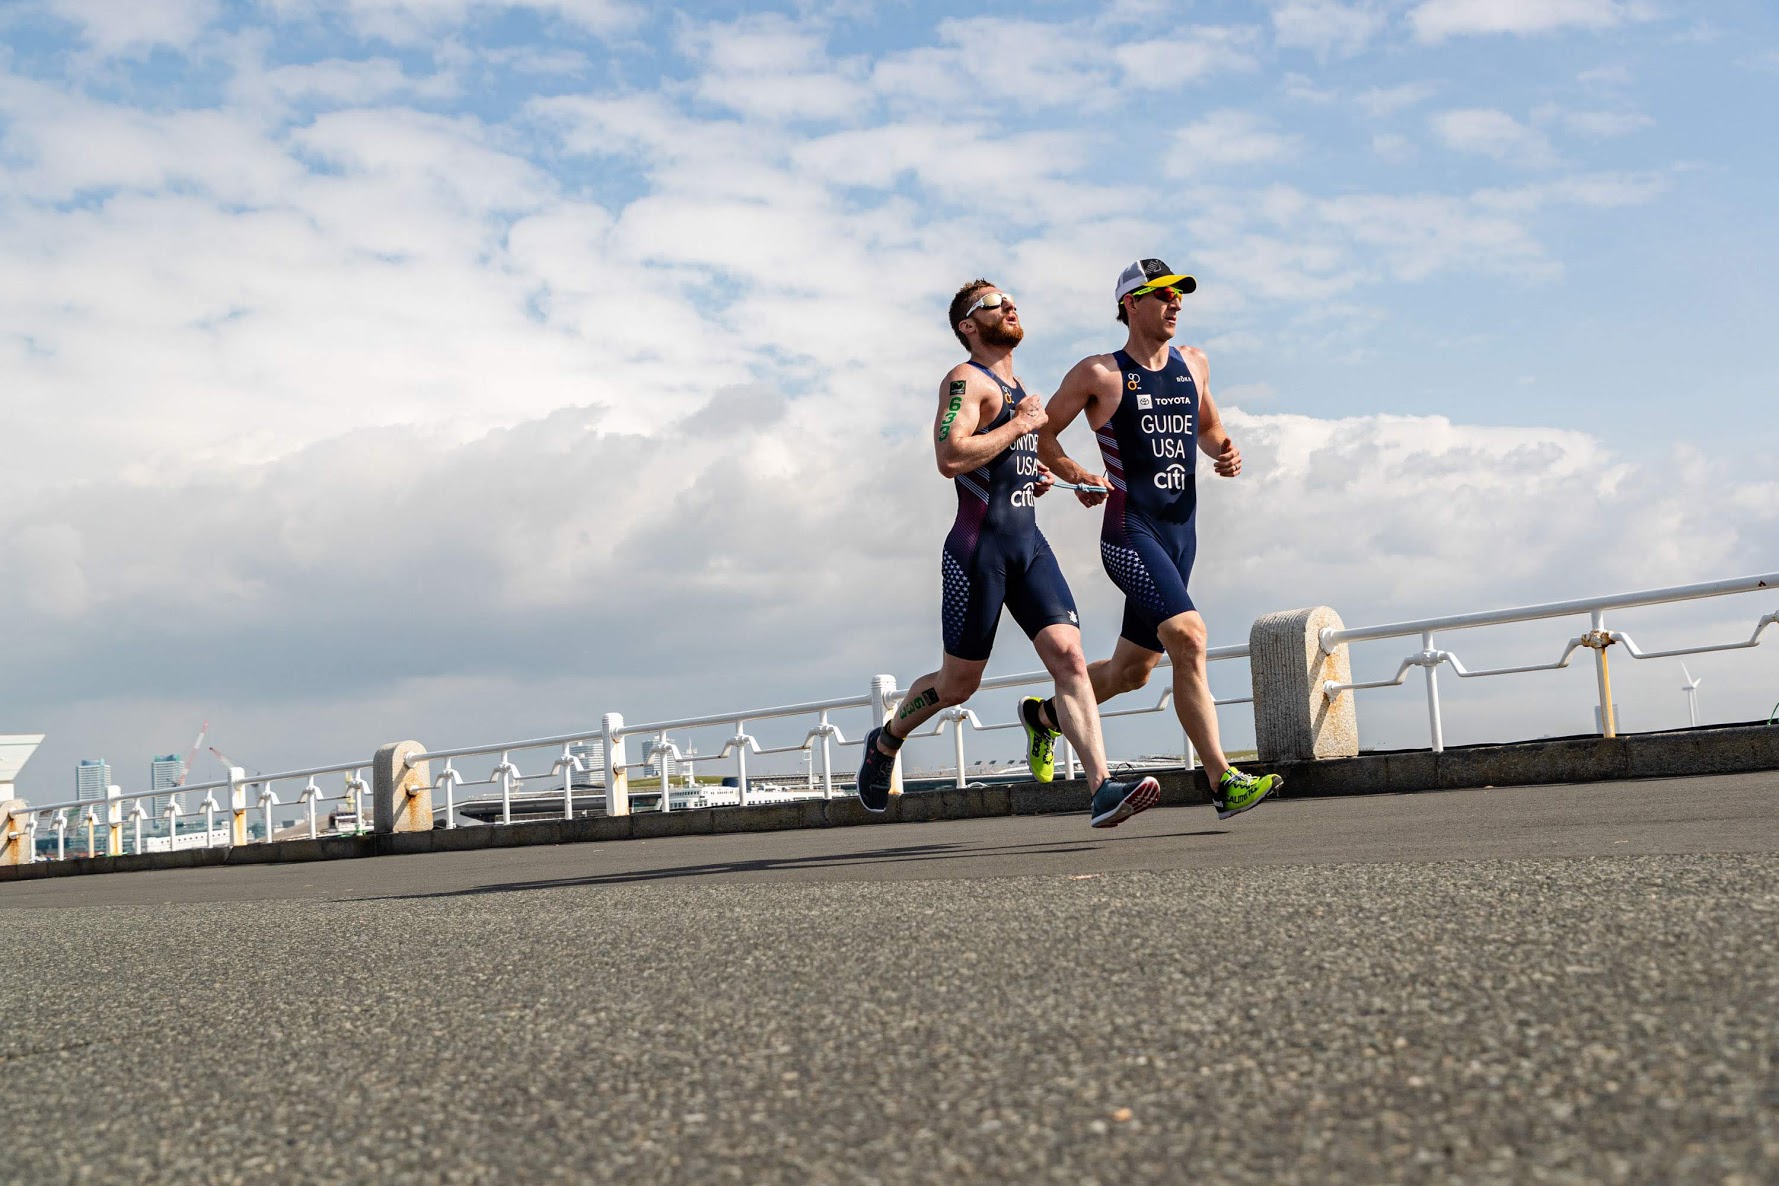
x: 227, y: 762
x: 192, y: 755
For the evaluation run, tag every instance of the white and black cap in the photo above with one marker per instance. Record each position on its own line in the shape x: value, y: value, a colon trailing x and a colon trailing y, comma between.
x: 1151, y: 273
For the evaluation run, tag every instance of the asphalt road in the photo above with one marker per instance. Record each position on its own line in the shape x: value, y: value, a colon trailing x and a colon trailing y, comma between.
x: 1569, y: 984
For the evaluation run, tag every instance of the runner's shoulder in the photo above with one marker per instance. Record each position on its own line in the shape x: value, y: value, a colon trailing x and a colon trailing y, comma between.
x: 1195, y: 358
x: 967, y: 373
x: 1096, y: 374
x: 959, y: 380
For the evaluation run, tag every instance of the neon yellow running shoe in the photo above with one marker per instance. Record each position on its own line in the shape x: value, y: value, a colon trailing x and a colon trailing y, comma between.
x: 1040, y: 741
x: 1237, y: 792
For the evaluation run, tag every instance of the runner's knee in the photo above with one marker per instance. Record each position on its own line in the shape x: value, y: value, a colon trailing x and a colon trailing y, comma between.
x: 955, y: 689
x: 1131, y: 676
x: 1066, y: 661
x: 1184, y: 637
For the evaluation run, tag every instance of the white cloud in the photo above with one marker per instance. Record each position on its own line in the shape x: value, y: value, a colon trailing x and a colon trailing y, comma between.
x: 1225, y: 138
x: 1480, y: 508
x: 985, y: 67
x: 1305, y: 89
x: 114, y: 28
x: 1382, y: 101
x: 1282, y: 245
x: 1415, y: 236
x: 983, y: 64
x: 1602, y: 191
x: 1486, y: 132
x: 1204, y: 51
x: 1328, y: 27
x: 341, y: 81
x: 48, y: 568
x: 1617, y: 75
x: 1603, y: 125
x: 411, y: 21
x: 1388, y: 146
x: 775, y: 68
x: 1437, y: 20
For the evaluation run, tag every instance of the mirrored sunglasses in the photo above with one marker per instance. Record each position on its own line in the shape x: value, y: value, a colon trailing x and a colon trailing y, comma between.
x: 993, y: 300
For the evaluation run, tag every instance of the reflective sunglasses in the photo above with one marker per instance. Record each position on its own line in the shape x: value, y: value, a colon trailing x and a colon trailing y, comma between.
x: 1164, y: 293
x: 993, y: 300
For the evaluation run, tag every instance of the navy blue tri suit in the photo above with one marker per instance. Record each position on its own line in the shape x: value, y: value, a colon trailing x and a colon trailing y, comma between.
x: 1149, y: 538
x: 995, y: 554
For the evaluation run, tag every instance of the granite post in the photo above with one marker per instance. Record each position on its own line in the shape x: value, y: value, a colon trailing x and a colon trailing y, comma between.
x: 15, y: 838
x: 1294, y: 720
x: 401, y: 795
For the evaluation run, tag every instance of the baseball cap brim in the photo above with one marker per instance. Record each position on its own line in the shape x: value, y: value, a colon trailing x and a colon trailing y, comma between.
x: 1183, y: 283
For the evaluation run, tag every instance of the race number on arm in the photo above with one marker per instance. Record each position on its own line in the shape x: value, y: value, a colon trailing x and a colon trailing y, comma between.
x: 966, y: 398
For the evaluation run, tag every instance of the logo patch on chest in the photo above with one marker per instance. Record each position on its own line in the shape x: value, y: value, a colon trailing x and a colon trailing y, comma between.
x: 1144, y: 402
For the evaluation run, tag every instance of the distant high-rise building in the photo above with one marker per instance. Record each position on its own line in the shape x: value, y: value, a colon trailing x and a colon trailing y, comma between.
x: 91, y: 778
x: 165, y: 771
x: 592, y: 756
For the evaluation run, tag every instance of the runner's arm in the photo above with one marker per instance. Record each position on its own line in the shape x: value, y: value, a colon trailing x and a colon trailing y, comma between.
x: 1073, y: 396
x: 955, y: 444
x: 1213, y: 439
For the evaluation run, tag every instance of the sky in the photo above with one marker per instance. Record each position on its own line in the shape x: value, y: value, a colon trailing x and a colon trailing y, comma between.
x: 463, y: 370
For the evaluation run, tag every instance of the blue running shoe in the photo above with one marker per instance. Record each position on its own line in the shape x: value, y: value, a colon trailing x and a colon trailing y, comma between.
x: 1116, y: 802
x: 874, y: 775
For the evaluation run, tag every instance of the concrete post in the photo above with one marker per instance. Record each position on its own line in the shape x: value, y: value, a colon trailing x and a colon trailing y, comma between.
x: 883, y: 692
x: 114, y: 822
x: 1294, y: 721
x: 237, y: 806
x: 401, y: 795
x: 617, y: 777
x: 15, y: 838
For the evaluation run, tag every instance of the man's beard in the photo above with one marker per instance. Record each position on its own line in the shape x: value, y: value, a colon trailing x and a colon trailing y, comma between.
x: 998, y: 334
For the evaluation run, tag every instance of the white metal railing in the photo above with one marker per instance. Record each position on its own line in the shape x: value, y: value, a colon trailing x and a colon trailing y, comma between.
x: 124, y: 815
x: 505, y: 775
x: 574, y: 778
x: 1597, y: 639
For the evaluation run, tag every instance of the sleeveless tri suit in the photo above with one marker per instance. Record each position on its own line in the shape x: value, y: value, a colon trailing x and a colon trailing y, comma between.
x: 995, y: 554
x: 1149, y: 537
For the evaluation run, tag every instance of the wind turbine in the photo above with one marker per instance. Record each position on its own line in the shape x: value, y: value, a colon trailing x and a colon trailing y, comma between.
x: 1691, y: 688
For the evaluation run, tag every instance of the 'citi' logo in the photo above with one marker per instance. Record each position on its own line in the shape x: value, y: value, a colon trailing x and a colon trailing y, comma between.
x: 1172, y: 478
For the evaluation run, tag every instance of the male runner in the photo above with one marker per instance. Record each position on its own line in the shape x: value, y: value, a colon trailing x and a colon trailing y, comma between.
x: 1150, y: 406
x: 985, y: 439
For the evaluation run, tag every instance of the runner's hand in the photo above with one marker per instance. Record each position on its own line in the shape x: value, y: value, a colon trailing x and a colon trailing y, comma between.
x: 1228, y: 462
x: 1041, y: 484
x: 1031, y: 414
x: 1095, y: 496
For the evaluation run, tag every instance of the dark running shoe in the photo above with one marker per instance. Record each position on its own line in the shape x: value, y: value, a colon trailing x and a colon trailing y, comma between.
x: 1116, y: 802
x: 874, y: 775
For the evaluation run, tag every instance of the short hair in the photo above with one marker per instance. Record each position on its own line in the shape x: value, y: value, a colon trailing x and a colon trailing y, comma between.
x: 1123, y: 313
x: 966, y: 296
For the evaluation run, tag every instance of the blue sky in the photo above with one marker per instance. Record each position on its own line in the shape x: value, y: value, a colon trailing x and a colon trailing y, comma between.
x: 451, y: 368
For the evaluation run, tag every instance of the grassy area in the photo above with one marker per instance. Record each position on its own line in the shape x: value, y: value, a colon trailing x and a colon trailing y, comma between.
x: 704, y: 780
